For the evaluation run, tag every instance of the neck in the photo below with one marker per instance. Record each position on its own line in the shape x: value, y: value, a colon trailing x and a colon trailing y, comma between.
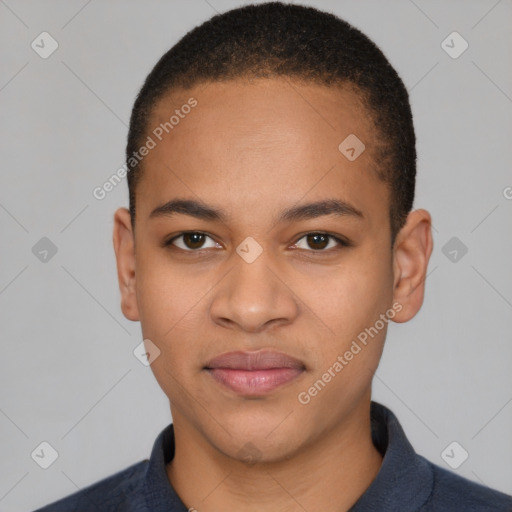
x: 337, y: 468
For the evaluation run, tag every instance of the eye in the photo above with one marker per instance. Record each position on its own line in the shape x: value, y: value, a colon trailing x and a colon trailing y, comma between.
x: 319, y: 242
x: 191, y: 241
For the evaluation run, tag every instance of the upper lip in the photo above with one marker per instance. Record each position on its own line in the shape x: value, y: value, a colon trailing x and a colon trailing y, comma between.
x: 260, y: 360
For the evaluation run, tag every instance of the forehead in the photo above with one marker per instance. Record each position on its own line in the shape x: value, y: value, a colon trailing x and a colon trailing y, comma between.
x: 267, y: 112
x: 245, y: 142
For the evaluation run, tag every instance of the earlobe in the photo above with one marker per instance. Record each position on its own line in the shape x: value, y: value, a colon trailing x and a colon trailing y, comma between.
x: 124, y: 247
x: 411, y: 255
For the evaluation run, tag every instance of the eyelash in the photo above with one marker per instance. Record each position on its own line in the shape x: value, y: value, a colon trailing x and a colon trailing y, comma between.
x: 341, y: 242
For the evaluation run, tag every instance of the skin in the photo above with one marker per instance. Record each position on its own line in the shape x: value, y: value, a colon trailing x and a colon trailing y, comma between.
x: 253, y: 149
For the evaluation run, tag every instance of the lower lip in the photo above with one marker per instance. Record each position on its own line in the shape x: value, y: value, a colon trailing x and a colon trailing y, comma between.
x: 254, y: 382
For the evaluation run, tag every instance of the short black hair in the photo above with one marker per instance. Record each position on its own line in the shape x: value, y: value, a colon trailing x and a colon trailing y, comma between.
x: 272, y: 40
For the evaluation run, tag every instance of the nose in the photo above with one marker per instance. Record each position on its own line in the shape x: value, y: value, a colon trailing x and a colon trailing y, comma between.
x: 254, y: 296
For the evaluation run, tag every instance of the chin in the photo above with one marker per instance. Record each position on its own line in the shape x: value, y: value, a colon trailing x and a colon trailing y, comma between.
x: 256, y: 439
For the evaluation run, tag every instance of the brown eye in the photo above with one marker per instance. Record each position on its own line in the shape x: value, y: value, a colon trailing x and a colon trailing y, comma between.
x: 317, y: 241
x: 191, y: 241
x: 320, y: 241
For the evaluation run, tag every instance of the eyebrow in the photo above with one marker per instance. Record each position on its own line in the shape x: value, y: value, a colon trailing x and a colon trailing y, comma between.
x: 203, y: 211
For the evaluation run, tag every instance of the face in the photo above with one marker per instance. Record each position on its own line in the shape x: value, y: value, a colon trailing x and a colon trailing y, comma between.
x: 261, y: 264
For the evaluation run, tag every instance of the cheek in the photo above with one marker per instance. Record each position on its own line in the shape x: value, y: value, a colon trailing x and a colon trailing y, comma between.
x: 161, y: 297
x: 171, y: 303
x: 353, y: 296
x: 350, y: 305
x: 350, y: 351
x: 170, y: 308
x: 165, y: 292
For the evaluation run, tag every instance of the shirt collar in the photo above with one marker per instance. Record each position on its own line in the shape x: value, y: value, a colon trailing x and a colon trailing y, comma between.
x: 404, y: 478
x: 160, y: 496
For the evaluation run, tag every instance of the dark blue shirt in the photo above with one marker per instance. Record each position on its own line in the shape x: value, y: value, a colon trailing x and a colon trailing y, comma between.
x: 406, y: 482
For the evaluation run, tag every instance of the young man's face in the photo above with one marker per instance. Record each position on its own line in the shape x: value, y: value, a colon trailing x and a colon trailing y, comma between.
x: 255, y: 282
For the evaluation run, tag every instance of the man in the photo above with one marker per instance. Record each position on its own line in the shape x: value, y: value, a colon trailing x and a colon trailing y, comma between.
x: 268, y: 244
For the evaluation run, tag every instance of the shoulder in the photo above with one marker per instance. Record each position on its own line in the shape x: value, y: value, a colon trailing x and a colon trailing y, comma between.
x: 122, y: 491
x: 453, y: 492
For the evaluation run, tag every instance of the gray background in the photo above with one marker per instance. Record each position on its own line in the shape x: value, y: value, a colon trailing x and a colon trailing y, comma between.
x: 68, y: 374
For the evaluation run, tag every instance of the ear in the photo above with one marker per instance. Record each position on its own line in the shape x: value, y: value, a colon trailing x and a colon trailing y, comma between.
x: 124, y: 247
x: 411, y: 254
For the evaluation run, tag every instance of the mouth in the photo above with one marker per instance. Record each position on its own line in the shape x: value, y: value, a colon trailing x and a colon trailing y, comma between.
x: 254, y: 373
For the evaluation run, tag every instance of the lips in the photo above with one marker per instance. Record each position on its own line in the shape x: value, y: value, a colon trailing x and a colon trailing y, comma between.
x: 254, y: 373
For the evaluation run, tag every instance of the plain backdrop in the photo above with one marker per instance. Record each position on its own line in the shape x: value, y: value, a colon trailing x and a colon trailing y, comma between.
x: 68, y: 373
